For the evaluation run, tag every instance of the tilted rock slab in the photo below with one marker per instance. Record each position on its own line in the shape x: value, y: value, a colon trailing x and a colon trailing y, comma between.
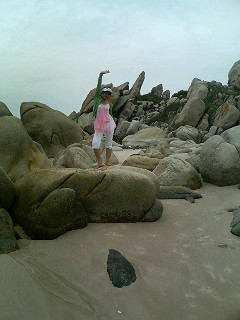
x: 197, y: 89
x: 51, y: 128
x: 134, y: 92
x: 191, y: 113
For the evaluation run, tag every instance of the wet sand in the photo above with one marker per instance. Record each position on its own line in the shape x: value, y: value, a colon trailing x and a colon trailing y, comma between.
x: 187, y: 266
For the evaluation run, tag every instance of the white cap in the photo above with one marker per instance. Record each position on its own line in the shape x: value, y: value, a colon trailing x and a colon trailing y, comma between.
x: 106, y: 90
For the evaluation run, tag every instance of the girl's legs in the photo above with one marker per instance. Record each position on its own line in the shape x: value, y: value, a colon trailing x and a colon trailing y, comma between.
x: 108, y: 144
x: 96, y: 144
x: 108, y: 155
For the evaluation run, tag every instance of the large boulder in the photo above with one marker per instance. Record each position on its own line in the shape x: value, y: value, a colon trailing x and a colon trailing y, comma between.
x: 175, y: 172
x: 79, y: 156
x: 226, y: 116
x: 234, y: 76
x: 157, y: 91
x: 8, y: 242
x: 133, y: 127
x: 145, y: 172
x: 191, y: 113
x: 188, y: 133
x: 122, y: 196
x: 4, y: 111
x: 219, y: 162
x: 197, y: 89
x: 122, y: 128
x: 232, y: 136
x: 204, y: 124
x: 7, y: 191
x: 147, y: 137
x: 48, y: 201
x: 18, y: 153
x: 128, y: 111
x: 143, y: 162
x: 75, y: 156
x: 86, y: 122
x: 51, y: 128
x: 52, y: 201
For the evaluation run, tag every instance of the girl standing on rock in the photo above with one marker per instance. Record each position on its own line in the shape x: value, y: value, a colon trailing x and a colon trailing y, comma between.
x: 104, y: 123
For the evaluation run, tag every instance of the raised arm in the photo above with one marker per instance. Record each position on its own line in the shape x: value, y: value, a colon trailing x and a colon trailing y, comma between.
x: 99, y: 84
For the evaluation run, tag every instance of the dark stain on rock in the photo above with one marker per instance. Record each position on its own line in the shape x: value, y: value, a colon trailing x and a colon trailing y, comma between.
x: 120, y: 270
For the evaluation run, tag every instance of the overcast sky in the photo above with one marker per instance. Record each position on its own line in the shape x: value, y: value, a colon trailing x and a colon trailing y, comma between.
x: 53, y: 50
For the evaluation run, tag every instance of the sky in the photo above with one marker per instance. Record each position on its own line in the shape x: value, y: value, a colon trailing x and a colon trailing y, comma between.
x: 53, y: 50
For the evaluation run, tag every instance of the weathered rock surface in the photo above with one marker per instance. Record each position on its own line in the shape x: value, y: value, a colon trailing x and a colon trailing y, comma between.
x: 191, y: 113
x: 7, y: 191
x: 134, y: 92
x: 175, y: 172
x: 219, y: 162
x: 120, y: 270
x: 204, y: 124
x: 234, y: 75
x: 75, y: 156
x: 52, y: 201
x: 133, y: 192
x: 79, y: 155
x: 143, y: 162
x: 4, y: 111
x: 86, y: 122
x: 197, y: 89
x: 133, y: 127
x: 235, y: 224
x: 8, y: 242
x: 232, y: 136
x: 51, y: 128
x: 178, y: 192
x: 146, y: 137
x: 122, y: 128
x: 46, y: 206
x: 226, y: 116
x: 145, y: 172
x: 18, y: 153
x: 188, y: 133
x: 157, y: 91
x: 194, y: 160
x: 154, y: 213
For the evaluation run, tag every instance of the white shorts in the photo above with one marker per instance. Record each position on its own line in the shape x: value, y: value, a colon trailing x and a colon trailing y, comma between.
x: 97, y: 138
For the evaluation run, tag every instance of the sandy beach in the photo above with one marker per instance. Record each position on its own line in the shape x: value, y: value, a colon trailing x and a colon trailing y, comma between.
x: 187, y: 266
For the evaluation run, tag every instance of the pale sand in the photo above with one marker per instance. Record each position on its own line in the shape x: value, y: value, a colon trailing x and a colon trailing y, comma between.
x: 187, y: 267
